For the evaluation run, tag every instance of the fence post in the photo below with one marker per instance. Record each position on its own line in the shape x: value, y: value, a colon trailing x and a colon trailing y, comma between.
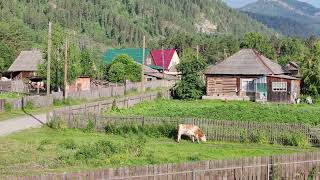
x: 193, y: 175
x: 268, y: 171
x: 142, y: 121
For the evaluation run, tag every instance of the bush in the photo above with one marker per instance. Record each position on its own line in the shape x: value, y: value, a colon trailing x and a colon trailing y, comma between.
x: 91, y: 151
x: 29, y: 105
x: 294, y: 139
x: 68, y: 144
x: 7, y: 106
x: 56, y: 123
x: 90, y: 127
x: 163, y: 130
x: 244, y: 137
x: 258, y: 137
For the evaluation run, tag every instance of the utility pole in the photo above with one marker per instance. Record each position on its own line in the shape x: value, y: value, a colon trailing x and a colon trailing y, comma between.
x: 49, y: 59
x: 142, y: 63
x: 197, y: 52
x: 162, y: 54
x: 66, y: 69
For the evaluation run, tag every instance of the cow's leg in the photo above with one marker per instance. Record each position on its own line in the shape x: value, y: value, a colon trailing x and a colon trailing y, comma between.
x: 192, y: 137
x: 179, y: 137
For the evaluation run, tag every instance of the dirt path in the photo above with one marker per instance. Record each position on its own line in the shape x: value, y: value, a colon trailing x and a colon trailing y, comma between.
x: 20, y: 123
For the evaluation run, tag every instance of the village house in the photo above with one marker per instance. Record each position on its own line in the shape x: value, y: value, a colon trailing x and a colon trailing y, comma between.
x: 164, y: 60
x: 82, y: 83
x: 26, y: 65
x: 151, y: 71
x: 248, y: 75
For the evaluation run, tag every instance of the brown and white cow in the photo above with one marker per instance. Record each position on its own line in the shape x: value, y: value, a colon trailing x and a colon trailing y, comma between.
x: 192, y: 131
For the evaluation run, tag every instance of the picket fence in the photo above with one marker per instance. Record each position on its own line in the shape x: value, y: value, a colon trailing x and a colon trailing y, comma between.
x: 302, y: 166
x: 217, y: 130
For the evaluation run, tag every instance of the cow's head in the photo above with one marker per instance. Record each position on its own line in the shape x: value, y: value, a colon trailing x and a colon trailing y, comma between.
x: 203, y: 138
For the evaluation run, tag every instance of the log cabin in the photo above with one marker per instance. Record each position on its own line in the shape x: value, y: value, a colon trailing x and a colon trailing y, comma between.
x: 248, y: 75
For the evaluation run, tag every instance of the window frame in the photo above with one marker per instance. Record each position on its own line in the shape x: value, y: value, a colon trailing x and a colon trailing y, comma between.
x: 279, y: 86
x: 248, y: 80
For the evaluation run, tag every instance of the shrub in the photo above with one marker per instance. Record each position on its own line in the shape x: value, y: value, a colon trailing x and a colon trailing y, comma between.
x: 258, y: 137
x: 163, y: 130
x: 194, y: 157
x: 244, y: 137
x: 299, y: 140
x: 90, y: 127
x: 56, y: 123
x: 91, y: 151
x: 68, y: 144
x: 136, y: 145
x: 29, y: 105
x: 7, y: 106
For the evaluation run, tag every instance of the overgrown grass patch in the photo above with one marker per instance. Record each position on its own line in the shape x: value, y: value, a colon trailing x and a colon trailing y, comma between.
x: 39, y: 151
x: 221, y: 110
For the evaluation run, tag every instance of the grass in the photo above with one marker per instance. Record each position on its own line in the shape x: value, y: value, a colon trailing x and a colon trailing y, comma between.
x: 63, y: 103
x: 45, y: 150
x: 220, y: 110
x: 9, y: 95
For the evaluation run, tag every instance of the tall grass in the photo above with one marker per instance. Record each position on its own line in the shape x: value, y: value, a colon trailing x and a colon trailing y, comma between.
x: 231, y: 110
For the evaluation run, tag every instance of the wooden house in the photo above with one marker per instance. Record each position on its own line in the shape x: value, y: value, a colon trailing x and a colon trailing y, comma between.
x: 164, y: 60
x: 248, y: 75
x: 26, y: 65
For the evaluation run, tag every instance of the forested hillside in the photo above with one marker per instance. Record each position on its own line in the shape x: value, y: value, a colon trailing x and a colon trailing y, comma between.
x: 120, y: 22
x: 288, y: 17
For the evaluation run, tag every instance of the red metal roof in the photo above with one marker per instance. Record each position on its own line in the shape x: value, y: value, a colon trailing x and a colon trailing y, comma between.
x: 157, y: 57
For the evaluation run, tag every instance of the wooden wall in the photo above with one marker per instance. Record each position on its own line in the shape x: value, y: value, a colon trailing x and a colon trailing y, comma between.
x: 221, y: 85
x: 283, y: 97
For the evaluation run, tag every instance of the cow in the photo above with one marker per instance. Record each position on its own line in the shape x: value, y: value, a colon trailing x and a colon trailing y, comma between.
x: 192, y: 131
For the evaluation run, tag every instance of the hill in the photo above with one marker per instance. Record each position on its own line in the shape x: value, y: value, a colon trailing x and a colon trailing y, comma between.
x: 301, y: 18
x: 124, y: 22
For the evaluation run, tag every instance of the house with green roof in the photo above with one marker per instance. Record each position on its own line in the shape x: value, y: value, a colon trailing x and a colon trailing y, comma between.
x: 135, y: 53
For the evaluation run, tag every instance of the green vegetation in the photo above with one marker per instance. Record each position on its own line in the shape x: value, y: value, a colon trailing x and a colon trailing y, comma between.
x: 9, y: 95
x: 124, y: 68
x: 191, y: 85
x: 231, y: 110
x: 73, y: 150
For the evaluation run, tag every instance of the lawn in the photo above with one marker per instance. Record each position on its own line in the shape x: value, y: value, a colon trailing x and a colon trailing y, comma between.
x: 221, y: 110
x: 47, y: 150
x: 9, y: 95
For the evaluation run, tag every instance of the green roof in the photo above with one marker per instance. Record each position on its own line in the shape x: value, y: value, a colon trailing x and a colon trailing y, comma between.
x: 135, y: 53
x: 156, y: 67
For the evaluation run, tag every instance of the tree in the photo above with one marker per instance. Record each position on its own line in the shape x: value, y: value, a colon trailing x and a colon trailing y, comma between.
x: 258, y: 42
x: 6, y: 57
x: 311, y: 71
x: 191, y: 85
x: 128, y: 70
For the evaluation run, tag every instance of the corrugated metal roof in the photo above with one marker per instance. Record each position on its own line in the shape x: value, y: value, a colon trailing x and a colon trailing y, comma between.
x: 135, y: 53
x: 246, y: 62
x: 26, y: 61
x: 167, y: 57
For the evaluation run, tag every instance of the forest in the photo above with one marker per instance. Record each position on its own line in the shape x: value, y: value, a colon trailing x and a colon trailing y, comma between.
x: 92, y: 26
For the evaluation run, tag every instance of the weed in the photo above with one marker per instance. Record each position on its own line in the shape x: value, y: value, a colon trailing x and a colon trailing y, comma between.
x: 56, y: 123
x: 90, y: 126
x: 29, y: 105
x: 7, y: 107
x: 68, y: 144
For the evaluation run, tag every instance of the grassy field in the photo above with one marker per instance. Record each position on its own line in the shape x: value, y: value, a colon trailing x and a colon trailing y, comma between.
x: 9, y: 95
x: 220, y: 110
x: 46, y: 150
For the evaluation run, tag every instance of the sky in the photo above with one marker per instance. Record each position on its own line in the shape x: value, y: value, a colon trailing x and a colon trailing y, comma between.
x: 241, y: 3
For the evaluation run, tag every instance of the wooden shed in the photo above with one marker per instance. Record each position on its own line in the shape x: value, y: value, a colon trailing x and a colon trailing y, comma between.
x: 248, y: 75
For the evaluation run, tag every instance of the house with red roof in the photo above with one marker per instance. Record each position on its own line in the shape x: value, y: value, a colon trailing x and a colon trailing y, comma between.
x: 164, y: 60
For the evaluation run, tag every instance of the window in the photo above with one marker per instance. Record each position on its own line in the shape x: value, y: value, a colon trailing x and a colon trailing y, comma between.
x: 247, y: 85
x: 279, y: 86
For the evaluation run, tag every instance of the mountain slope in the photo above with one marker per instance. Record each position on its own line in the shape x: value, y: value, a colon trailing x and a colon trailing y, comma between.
x: 283, y: 14
x: 124, y: 22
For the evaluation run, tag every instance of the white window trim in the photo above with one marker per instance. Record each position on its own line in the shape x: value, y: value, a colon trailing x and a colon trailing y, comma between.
x: 248, y: 79
x: 280, y: 86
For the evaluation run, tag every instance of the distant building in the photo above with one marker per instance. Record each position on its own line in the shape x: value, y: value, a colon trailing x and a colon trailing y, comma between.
x: 83, y: 83
x: 248, y: 75
x: 26, y: 65
x: 135, y: 53
x: 166, y: 60
x: 151, y: 70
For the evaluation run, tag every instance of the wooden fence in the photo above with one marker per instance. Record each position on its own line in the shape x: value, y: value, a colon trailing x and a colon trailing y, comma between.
x: 292, y: 166
x: 217, y: 130
x: 97, y: 107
